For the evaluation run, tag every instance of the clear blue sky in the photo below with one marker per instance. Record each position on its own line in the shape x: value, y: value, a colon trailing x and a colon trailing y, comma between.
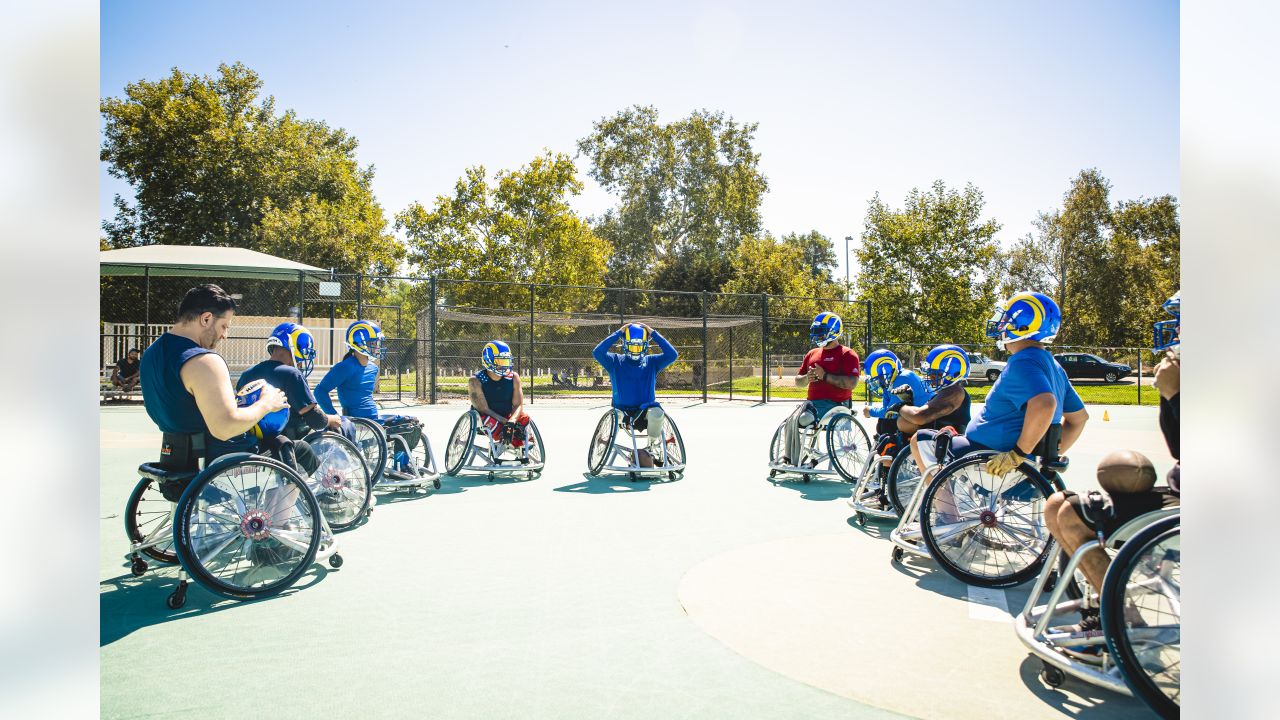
x: 851, y: 98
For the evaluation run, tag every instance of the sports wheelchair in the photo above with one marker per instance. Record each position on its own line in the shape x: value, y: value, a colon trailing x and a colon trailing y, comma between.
x: 472, y: 449
x: 399, y: 455
x: 982, y: 529
x: 606, y: 451
x: 247, y: 526
x: 836, y: 445
x: 1138, y: 649
x: 871, y: 494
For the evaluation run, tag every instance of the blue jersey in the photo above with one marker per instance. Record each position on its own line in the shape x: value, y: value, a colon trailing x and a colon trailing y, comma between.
x: 167, y: 401
x: 355, y: 384
x: 920, y: 392
x: 1029, y: 372
x: 291, y: 382
x: 634, y: 382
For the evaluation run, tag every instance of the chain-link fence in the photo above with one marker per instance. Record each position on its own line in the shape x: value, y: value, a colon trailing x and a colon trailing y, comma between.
x: 730, y: 346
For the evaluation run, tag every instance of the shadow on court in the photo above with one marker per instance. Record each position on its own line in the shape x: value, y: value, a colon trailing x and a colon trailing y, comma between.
x: 606, y: 484
x: 819, y: 489
x: 127, y: 603
x: 1086, y: 698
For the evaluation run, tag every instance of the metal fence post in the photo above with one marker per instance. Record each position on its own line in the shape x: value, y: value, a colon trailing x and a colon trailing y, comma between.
x: 532, y: 295
x: 400, y: 364
x: 302, y: 296
x: 867, y: 351
x: 1139, y: 377
x: 432, y: 338
x: 705, y: 370
x: 730, y: 362
x: 146, y: 311
x: 360, y: 299
x: 764, y: 347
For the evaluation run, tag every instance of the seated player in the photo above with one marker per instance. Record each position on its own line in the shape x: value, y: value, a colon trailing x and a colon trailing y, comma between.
x: 634, y: 377
x: 948, y: 367
x: 355, y: 378
x: 126, y: 375
x: 497, y: 395
x: 895, y: 386
x: 292, y: 354
x: 187, y: 391
x: 831, y: 372
x: 1127, y: 478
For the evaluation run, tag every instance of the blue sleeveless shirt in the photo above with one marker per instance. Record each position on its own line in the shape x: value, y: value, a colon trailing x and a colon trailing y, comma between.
x: 497, y: 393
x: 166, y: 399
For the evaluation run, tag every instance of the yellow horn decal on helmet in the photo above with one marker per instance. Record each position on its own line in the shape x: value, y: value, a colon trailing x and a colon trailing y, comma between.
x: 1037, y: 312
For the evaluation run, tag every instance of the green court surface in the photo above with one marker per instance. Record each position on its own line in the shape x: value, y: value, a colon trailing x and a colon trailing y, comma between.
x: 716, y: 596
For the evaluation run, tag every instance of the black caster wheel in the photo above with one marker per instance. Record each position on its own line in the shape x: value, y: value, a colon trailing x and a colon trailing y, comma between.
x: 1051, y: 582
x: 335, y: 561
x: 773, y: 474
x: 1052, y: 676
x: 806, y: 478
x: 368, y: 512
x: 861, y: 517
x: 138, y: 567
x: 490, y: 477
x: 896, y: 556
x: 672, y: 475
x: 632, y: 477
x: 436, y: 483
x: 529, y: 475
x: 178, y: 597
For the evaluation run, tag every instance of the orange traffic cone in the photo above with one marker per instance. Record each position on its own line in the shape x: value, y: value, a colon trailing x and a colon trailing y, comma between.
x: 1105, y: 416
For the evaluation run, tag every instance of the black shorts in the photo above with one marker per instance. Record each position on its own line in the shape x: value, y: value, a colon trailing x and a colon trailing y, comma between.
x: 1105, y: 513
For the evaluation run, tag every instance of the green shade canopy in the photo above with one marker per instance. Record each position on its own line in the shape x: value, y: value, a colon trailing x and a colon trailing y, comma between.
x: 201, y: 261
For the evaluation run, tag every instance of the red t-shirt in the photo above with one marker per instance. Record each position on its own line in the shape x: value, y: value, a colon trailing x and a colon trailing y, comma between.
x: 837, y: 360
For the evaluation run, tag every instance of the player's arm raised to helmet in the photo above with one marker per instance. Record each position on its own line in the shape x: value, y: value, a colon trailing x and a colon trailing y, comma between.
x: 206, y: 378
x: 601, y: 351
x: 669, y: 352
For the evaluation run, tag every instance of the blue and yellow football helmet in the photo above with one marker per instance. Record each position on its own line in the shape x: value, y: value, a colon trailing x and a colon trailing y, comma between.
x: 365, y: 337
x: 1168, y: 333
x: 1025, y: 315
x: 882, y: 369
x: 825, y: 328
x: 270, y: 425
x: 635, y: 341
x: 945, y: 366
x: 298, y: 341
x: 496, y: 357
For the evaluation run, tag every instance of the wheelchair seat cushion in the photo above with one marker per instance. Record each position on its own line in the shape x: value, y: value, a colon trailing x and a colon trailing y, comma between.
x: 171, y: 483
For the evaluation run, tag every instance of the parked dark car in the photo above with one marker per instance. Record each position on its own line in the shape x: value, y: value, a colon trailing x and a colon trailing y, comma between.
x: 1083, y: 366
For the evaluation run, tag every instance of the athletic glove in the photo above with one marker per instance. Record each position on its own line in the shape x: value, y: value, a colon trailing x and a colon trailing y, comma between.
x: 1004, y: 462
x: 905, y: 394
x: 509, y: 431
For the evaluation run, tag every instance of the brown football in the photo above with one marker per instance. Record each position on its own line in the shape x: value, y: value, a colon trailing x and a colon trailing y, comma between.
x: 1126, y: 471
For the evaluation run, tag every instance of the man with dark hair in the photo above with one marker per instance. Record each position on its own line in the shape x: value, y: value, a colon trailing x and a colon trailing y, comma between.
x: 125, y: 376
x: 186, y: 388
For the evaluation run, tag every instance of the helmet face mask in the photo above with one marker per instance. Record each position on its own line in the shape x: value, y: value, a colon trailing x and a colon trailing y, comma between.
x: 826, y: 327
x: 635, y: 342
x: 496, y: 358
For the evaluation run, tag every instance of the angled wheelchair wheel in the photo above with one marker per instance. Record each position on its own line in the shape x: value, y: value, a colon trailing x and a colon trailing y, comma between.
x: 247, y: 527
x: 460, y: 440
x: 601, y: 441
x: 848, y: 446
x: 1142, y: 614
x: 673, y: 441
x: 148, y: 514
x: 903, y: 478
x: 341, y: 479
x: 372, y: 441
x: 537, y: 453
x: 985, y: 529
x: 776, y: 446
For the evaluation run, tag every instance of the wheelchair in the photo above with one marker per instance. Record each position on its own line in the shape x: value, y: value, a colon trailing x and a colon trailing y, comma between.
x: 396, y: 462
x: 608, y: 453
x: 471, y: 449
x: 836, y: 445
x: 1138, y: 651
x: 982, y: 529
x: 245, y: 527
x: 870, y: 496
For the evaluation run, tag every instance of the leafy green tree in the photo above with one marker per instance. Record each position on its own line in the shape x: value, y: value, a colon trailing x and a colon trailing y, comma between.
x: 518, y: 228
x: 212, y: 163
x: 817, y: 253
x: 930, y: 269
x: 778, y: 267
x: 688, y: 192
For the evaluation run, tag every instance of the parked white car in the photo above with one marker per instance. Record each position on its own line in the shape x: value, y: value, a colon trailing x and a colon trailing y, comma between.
x: 981, y: 366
